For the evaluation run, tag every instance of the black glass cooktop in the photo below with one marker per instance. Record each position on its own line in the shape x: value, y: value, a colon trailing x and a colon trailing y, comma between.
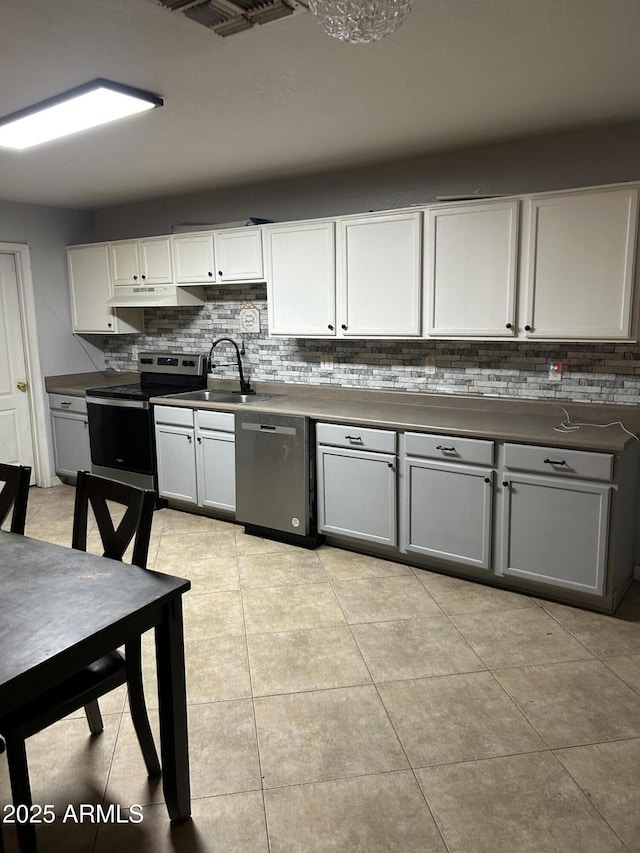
x: 138, y: 391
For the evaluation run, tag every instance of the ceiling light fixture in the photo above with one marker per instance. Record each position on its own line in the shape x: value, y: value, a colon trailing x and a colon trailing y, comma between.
x: 90, y: 105
x: 360, y: 21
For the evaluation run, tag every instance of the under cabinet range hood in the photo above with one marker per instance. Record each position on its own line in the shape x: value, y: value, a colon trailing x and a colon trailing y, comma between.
x: 155, y: 296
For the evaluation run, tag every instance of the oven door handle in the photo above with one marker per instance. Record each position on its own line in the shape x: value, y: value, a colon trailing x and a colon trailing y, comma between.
x: 117, y: 403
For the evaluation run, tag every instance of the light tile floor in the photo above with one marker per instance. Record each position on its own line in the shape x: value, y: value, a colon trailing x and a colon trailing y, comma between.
x: 344, y: 703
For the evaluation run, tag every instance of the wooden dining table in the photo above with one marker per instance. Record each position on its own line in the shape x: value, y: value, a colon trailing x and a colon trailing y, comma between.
x: 61, y: 609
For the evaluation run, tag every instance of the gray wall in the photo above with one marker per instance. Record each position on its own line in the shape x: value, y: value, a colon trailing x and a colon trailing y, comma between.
x: 581, y: 158
x: 48, y: 230
x: 595, y: 373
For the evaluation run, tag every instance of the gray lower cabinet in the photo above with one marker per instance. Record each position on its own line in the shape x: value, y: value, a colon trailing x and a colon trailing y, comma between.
x: 215, y: 460
x: 449, y: 512
x: 357, y: 483
x: 70, y: 431
x: 176, y: 463
x: 195, y: 456
x: 447, y: 498
x: 555, y: 526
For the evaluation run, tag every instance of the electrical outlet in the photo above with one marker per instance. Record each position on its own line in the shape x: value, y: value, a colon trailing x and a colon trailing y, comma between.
x: 555, y: 372
x: 429, y: 366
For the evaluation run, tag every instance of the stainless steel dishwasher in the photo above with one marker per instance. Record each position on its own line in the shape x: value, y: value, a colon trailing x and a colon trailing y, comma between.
x: 275, y: 492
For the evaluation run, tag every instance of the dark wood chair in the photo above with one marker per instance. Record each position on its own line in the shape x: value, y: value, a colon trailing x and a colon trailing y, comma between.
x: 14, y: 493
x: 85, y: 687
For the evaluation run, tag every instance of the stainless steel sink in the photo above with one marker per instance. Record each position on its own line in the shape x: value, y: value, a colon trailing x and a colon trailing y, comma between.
x: 208, y: 396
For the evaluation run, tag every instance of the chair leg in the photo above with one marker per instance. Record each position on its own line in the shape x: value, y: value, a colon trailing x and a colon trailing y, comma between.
x: 20, y: 788
x: 137, y: 704
x: 94, y: 717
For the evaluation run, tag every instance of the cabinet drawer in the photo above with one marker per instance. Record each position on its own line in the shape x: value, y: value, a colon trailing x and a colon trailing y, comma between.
x: 338, y: 435
x: 173, y: 415
x: 449, y: 447
x: 67, y: 403
x: 223, y: 421
x: 558, y: 460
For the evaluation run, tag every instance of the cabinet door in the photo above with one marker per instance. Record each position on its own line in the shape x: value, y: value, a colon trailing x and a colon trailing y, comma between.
x: 215, y: 454
x: 379, y: 272
x: 125, y: 264
x: 357, y: 494
x: 90, y: 286
x: 176, y: 463
x: 155, y: 260
x: 555, y: 531
x: 470, y: 269
x: 301, y: 278
x: 193, y: 258
x: 238, y: 254
x: 580, y: 264
x: 70, y: 443
x: 448, y: 511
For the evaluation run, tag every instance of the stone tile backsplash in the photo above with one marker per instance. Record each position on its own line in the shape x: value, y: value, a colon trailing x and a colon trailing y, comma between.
x: 597, y: 373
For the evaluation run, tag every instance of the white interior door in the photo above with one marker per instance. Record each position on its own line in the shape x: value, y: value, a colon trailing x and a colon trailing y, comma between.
x: 16, y: 441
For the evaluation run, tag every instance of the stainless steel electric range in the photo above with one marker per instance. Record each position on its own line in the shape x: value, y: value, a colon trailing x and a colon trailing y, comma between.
x: 121, y: 432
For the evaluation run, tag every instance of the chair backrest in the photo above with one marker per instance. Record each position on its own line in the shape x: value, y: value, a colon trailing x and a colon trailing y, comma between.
x: 15, y: 492
x: 136, y: 521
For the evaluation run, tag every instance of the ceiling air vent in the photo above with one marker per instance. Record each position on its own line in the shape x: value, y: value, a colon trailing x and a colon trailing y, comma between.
x: 227, y: 17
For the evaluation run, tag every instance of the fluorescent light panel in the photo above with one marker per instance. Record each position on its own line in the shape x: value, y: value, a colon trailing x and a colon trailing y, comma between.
x: 90, y: 105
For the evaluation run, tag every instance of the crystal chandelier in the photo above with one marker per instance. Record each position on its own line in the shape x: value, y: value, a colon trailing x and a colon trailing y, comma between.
x: 360, y: 20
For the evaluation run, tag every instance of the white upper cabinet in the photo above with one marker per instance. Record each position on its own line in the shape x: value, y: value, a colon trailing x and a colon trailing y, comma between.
x: 379, y: 275
x: 238, y: 254
x: 90, y: 288
x: 193, y: 261
x: 579, y: 264
x: 470, y: 269
x: 301, y: 278
x: 146, y: 261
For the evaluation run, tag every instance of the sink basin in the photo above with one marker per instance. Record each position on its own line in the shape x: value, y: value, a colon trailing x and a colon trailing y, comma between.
x: 207, y: 396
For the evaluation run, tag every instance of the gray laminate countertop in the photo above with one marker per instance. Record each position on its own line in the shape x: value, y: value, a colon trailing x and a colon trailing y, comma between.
x: 502, y: 419
x: 499, y: 418
x: 76, y: 384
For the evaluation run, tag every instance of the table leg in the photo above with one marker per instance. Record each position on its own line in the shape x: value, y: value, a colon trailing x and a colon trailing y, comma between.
x: 172, y: 698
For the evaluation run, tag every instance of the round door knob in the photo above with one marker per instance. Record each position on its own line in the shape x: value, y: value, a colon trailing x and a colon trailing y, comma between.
x: 210, y: 274
x: 143, y: 277
x: 109, y: 325
x: 487, y: 479
x: 505, y: 483
x: 509, y: 325
x: 135, y: 278
x: 330, y: 327
x: 22, y: 386
x: 527, y: 328
x: 219, y: 272
x: 343, y: 326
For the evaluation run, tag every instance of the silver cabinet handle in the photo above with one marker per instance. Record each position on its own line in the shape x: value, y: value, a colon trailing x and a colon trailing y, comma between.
x: 555, y: 462
x: 445, y: 449
x: 354, y: 438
